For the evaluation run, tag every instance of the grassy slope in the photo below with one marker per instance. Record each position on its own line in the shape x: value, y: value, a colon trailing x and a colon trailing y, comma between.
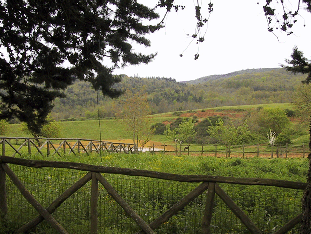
x: 110, y: 129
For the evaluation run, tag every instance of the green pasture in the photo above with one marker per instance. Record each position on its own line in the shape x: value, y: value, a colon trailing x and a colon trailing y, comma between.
x: 268, y: 207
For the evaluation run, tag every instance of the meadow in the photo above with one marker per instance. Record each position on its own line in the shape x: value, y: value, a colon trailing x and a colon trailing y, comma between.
x: 268, y: 207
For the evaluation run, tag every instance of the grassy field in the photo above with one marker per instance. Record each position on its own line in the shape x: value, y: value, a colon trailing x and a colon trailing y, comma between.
x: 268, y: 207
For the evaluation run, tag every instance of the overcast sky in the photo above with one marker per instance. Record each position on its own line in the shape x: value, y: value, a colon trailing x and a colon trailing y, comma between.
x: 236, y: 39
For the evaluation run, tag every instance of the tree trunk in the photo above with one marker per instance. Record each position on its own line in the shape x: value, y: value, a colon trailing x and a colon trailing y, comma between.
x: 306, y: 202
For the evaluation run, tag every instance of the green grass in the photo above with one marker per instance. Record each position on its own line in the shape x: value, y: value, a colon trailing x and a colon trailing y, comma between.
x: 268, y: 207
x: 110, y: 129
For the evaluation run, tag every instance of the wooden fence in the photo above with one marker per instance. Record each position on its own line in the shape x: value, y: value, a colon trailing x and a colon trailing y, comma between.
x: 207, y: 183
x: 12, y: 146
x: 241, y: 151
x: 51, y: 146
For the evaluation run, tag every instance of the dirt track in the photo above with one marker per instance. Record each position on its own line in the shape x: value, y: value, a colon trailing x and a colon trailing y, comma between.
x: 157, y: 145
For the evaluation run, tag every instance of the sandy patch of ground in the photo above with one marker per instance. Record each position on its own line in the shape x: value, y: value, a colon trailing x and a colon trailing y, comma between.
x: 149, y: 145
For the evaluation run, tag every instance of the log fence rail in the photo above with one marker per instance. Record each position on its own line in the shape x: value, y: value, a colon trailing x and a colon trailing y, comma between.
x: 12, y: 146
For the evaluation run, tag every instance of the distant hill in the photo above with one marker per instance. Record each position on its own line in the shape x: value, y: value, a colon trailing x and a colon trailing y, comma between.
x: 228, y: 75
x: 246, y: 87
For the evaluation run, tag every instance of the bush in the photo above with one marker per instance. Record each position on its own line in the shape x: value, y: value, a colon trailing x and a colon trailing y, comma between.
x: 51, y: 130
x: 158, y: 128
x: 290, y: 113
x: 3, y: 127
x: 283, y: 139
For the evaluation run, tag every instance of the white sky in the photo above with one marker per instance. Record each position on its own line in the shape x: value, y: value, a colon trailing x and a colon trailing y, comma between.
x: 237, y: 38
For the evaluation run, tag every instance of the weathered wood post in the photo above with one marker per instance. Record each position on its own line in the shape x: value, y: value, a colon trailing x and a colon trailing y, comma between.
x: 94, y: 200
x: 3, y: 147
x: 90, y: 146
x: 3, y: 200
x: 64, y: 146
x: 29, y: 146
x: 243, y: 148
x: 48, y: 148
x: 153, y: 148
x: 208, y: 211
x: 202, y: 150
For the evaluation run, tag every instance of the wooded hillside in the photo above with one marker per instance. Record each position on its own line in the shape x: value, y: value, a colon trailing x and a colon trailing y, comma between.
x: 253, y: 86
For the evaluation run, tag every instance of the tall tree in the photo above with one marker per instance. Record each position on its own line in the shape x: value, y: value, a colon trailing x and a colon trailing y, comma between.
x: 46, y: 45
x: 299, y: 64
x: 134, y: 111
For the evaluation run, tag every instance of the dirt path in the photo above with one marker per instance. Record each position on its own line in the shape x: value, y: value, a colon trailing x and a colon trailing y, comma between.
x: 155, y: 144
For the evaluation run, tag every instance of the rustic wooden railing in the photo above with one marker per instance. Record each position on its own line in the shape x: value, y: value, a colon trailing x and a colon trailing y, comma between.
x: 208, y: 183
x: 51, y: 146
x: 11, y: 146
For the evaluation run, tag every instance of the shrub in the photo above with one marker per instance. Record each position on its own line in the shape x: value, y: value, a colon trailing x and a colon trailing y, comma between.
x: 158, y: 128
x: 283, y: 139
x: 3, y: 127
x: 51, y: 130
x: 290, y: 113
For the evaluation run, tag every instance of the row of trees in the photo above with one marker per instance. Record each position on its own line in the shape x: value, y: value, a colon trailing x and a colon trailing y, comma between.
x: 254, y: 128
x: 165, y: 95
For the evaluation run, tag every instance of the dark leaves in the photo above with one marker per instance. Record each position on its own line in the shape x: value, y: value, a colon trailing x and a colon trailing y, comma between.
x: 39, y: 36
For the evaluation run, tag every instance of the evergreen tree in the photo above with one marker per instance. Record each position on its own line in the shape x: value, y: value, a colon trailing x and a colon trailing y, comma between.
x: 46, y: 45
x: 299, y: 64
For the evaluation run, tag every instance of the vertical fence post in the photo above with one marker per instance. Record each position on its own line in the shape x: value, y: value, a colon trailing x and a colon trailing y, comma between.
x: 208, y: 211
x: 3, y: 147
x: 29, y: 146
x: 258, y: 151
x: 94, y: 200
x: 179, y: 148
x: 277, y: 151
x: 271, y: 151
x: 215, y: 151
x: 188, y: 150
x: 48, y: 148
x: 202, y: 150
x: 64, y: 146
x: 78, y: 146
x: 91, y: 147
x: 303, y: 150
x: 153, y: 148
x: 286, y: 150
x: 229, y: 151
x: 243, y: 151
x: 164, y: 148
x: 3, y: 201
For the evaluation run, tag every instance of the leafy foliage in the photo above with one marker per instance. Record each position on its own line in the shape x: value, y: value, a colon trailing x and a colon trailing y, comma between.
x: 229, y: 134
x: 3, y: 127
x: 134, y: 110
x: 166, y: 95
x: 264, y: 120
x: 39, y: 37
x: 182, y: 133
x: 158, y: 128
